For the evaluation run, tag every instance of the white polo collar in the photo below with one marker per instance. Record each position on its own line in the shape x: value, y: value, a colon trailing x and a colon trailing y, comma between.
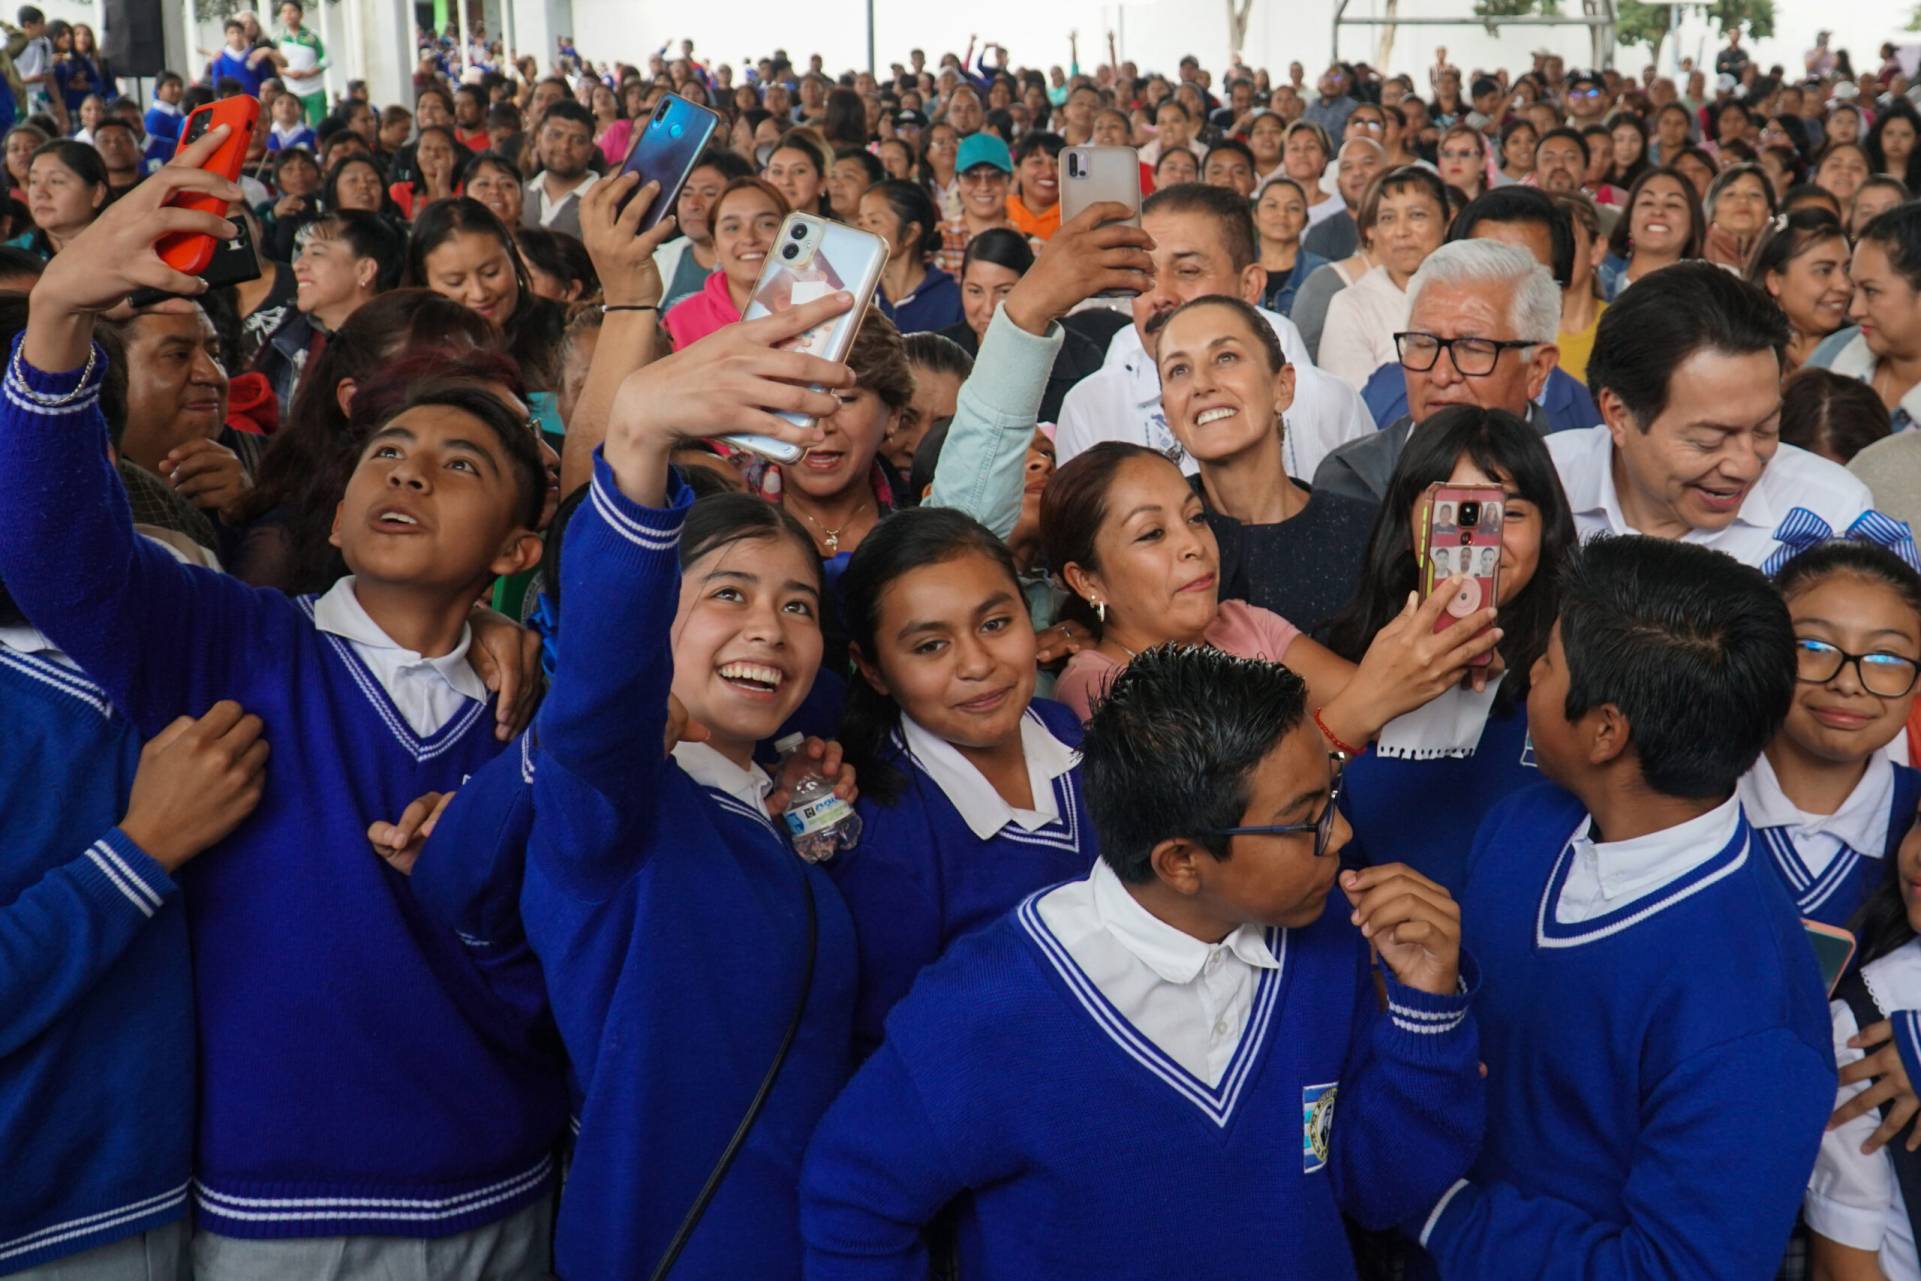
x: 341, y: 614
x: 709, y: 768
x: 1627, y: 870
x: 980, y: 806
x: 1861, y: 823
x: 1176, y: 956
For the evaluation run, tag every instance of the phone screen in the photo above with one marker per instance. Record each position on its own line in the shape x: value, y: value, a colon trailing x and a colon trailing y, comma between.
x: 670, y: 143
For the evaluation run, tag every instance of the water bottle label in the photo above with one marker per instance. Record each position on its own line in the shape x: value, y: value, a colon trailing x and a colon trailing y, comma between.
x: 816, y: 816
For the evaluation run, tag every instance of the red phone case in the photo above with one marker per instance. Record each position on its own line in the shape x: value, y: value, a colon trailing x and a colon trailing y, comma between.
x: 1450, y: 547
x: 191, y: 251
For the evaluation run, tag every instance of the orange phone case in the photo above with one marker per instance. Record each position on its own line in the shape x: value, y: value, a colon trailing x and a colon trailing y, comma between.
x: 1452, y: 546
x: 191, y: 251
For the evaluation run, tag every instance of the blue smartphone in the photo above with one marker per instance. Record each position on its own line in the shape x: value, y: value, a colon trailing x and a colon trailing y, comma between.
x: 669, y: 146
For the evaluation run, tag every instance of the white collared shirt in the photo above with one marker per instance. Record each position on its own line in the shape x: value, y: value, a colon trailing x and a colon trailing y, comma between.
x: 549, y: 210
x: 1362, y: 320
x: 980, y: 806
x: 1123, y: 402
x: 709, y: 768
x: 1861, y: 824
x: 1613, y: 874
x: 428, y: 692
x: 1191, y: 999
x: 1856, y: 361
x: 27, y: 639
x: 1793, y: 478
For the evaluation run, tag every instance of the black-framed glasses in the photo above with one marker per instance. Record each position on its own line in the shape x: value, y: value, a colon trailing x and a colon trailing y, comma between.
x: 1472, y: 357
x: 1322, y: 826
x: 1882, y: 674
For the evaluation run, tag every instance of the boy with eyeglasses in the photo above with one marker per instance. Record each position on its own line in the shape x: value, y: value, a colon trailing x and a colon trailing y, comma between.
x: 1113, y: 1079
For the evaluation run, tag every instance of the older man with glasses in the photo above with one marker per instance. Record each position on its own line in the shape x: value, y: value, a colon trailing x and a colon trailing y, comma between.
x: 1481, y: 326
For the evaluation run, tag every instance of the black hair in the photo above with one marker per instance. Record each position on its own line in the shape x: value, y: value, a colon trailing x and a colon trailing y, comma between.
x: 566, y: 109
x: 1073, y: 509
x: 368, y: 236
x: 1520, y: 205
x: 1831, y: 415
x: 920, y: 472
x: 1573, y: 135
x: 560, y: 256
x: 845, y: 121
x: 1896, y: 108
x: 1897, y: 231
x: 1228, y: 208
x: 516, y: 438
x: 1620, y: 240
x: 1789, y: 236
x: 935, y: 352
x: 1850, y: 556
x: 1803, y: 194
x: 535, y: 328
x: 1171, y: 748
x: 1237, y: 147
x: 1499, y: 444
x: 910, y: 203
x: 1626, y: 177
x: 330, y: 184
x: 1694, y: 648
x: 1669, y: 315
x: 463, y: 158
x: 729, y: 164
x: 867, y: 161
x: 77, y: 156
x: 1727, y: 178
x: 905, y: 540
x: 1038, y: 140
x: 1002, y: 246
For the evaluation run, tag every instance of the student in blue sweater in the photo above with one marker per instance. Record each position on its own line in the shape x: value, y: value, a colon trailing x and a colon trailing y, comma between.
x: 692, y: 959
x: 1435, y: 772
x: 365, y: 1097
x: 96, y: 986
x: 162, y: 121
x: 1827, y: 805
x: 1113, y: 1080
x: 1656, y: 1037
x: 970, y: 795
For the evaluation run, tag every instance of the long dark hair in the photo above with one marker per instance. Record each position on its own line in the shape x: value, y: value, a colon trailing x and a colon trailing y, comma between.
x: 330, y: 185
x: 304, y: 470
x: 1896, y: 109
x: 1499, y: 444
x: 904, y: 541
x: 537, y: 325
x: 1073, y: 509
x: 1620, y: 242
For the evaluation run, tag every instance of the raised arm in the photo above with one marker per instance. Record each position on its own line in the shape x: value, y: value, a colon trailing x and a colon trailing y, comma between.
x: 157, y: 635
x: 982, y: 465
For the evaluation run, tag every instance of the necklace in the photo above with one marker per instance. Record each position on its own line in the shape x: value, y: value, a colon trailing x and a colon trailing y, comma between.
x: 830, y: 538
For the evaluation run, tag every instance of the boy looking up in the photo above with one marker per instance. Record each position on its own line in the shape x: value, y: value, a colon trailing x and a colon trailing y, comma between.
x: 1115, y: 1077
x: 363, y: 1095
x: 1658, y: 1055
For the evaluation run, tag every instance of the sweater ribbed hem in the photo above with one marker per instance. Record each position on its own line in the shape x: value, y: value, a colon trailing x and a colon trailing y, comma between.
x: 22, y: 1248
x: 263, y: 1210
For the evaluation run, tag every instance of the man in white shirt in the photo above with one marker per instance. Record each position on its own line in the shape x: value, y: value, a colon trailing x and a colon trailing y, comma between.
x: 1204, y: 245
x: 565, y: 146
x: 1688, y: 380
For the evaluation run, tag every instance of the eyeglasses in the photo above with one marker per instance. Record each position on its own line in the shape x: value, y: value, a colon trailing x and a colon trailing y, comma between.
x: 980, y: 175
x: 1472, y: 357
x: 1322, y: 827
x: 1370, y: 126
x: 1881, y: 674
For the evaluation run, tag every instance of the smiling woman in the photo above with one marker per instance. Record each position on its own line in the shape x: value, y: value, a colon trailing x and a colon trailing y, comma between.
x: 460, y: 250
x: 745, y: 218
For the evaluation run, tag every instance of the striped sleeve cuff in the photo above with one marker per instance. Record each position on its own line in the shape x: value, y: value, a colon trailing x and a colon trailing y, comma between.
x: 124, y: 871
x: 644, y: 527
x: 1425, y: 1014
x: 1440, y: 1209
x: 74, y: 391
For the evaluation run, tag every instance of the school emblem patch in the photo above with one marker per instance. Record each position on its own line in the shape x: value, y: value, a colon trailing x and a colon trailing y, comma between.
x: 1527, y: 752
x: 1317, y: 1123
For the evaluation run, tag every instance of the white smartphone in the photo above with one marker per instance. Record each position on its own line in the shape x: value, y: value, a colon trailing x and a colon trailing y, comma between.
x: 1091, y: 175
x: 811, y: 258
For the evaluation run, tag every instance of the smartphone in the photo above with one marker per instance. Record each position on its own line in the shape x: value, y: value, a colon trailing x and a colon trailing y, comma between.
x: 191, y: 251
x: 234, y: 261
x: 1461, y: 535
x: 1833, y: 949
x: 1091, y: 175
x: 667, y: 150
x: 812, y: 258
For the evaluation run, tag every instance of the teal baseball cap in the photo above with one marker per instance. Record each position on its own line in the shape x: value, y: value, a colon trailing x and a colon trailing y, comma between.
x: 983, y: 148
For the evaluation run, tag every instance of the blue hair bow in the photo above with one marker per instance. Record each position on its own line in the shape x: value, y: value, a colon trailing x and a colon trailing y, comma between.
x: 1803, y: 531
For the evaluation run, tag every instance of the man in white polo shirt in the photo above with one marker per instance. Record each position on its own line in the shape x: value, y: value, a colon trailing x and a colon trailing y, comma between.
x: 1687, y: 376
x: 1203, y: 244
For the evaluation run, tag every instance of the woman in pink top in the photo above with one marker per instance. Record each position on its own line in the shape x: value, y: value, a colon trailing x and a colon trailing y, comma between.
x: 1127, y: 534
x: 746, y: 218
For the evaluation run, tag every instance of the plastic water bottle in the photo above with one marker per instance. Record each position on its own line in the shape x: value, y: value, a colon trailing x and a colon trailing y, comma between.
x: 819, y: 823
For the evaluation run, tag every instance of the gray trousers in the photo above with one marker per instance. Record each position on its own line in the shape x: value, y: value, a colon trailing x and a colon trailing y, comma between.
x: 517, y: 1248
x: 159, y: 1255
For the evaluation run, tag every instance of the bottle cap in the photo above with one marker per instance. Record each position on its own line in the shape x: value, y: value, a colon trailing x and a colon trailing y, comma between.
x: 790, y: 743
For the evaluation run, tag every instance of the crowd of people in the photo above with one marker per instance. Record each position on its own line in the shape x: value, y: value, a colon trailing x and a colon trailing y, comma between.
x: 361, y: 920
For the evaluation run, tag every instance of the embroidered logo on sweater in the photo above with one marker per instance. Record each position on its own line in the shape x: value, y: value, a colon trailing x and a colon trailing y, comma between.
x: 1317, y: 1123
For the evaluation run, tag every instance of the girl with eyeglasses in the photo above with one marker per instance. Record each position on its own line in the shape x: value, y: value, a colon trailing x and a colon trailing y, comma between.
x: 1828, y: 807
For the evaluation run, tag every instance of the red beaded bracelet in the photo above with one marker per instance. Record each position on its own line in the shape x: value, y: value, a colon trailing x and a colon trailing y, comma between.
x: 1334, y: 739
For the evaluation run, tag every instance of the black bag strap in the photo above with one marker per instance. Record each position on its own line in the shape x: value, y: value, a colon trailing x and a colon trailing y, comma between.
x: 1907, y: 1165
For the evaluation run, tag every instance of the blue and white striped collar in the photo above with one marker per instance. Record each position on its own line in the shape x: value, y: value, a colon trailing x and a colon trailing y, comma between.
x: 1598, y: 889
x: 715, y: 772
x: 974, y: 798
x: 1861, y: 823
x: 28, y: 639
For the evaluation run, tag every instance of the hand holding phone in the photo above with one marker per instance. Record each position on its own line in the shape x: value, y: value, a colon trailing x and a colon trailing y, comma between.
x: 1459, y: 540
x: 670, y: 143
x: 190, y: 252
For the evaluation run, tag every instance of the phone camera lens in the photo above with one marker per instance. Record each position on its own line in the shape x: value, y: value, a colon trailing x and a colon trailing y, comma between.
x: 791, y: 251
x: 800, y: 231
x: 1470, y: 513
x: 674, y: 131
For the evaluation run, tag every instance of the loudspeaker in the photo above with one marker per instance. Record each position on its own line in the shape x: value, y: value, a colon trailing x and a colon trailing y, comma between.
x: 134, y: 40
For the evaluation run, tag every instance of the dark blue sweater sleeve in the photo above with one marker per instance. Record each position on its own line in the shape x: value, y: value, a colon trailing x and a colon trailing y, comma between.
x: 599, y: 767
x: 469, y: 873
x: 1413, y: 1106
x: 66, y: 929
x: 157, y: 635
x: 1718, y: 1170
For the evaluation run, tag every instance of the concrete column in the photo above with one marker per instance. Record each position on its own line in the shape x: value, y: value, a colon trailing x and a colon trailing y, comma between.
x: 385, y: 54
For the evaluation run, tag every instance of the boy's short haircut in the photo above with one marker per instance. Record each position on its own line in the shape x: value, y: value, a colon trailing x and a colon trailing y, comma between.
x: 30, y: 15
x: 395, y: 115
x: 233, y: 24
x: 517, y: 437
x: 228, y: 87
x: 1171, y: 747
x: 1644, y: 338
x: 504, y: 115
x: 1233, y: 216
x: 1694, y: 648
x: 166, y: 78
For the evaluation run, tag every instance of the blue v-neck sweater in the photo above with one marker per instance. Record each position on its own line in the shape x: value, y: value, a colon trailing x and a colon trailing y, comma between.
x: 1077, y: 1148
x: 358, y: 1075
